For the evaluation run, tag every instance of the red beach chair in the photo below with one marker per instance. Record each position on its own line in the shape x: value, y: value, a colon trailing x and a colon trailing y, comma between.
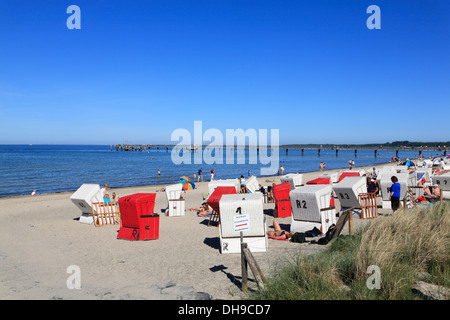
x: 319, y: 181
x: 138, y: 222
x: 214, y: 199
x: 282, y: 201
x: 349, y: 174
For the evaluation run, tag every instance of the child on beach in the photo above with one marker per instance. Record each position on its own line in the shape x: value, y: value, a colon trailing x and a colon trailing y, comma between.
x: 395, y: 194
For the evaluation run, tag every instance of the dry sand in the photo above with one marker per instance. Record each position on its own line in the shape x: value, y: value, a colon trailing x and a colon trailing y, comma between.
x: 40, y: 237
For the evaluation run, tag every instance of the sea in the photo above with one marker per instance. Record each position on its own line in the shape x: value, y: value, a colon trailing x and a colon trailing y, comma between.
x: 60, y: 168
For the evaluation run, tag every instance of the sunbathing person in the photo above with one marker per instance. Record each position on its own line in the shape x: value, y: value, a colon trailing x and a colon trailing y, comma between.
x: 278, y: 233
x: 435, y: 193
x: 203, y: 211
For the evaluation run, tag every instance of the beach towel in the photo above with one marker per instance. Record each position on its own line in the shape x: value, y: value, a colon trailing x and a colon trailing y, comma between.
x: 277, y: 239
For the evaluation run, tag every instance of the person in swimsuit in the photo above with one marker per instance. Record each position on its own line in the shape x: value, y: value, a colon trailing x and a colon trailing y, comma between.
x: 204, y: 211
x: 278, y: 233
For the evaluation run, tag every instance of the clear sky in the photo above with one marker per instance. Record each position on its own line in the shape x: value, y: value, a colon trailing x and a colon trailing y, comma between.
x: 138, y: 70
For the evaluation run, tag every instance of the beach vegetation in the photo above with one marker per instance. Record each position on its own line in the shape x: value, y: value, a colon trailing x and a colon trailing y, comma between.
x: 406, y: 247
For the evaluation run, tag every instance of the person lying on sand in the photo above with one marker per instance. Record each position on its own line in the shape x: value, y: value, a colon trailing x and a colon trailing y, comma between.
x: 278, y: 234
x: 203, y: 211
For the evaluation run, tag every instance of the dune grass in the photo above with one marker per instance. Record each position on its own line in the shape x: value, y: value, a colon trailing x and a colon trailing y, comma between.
x: 405, y: 247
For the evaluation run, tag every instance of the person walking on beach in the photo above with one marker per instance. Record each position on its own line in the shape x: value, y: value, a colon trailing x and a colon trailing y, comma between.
x: 200, y: 175
x: 282, y: 170
x: 395, y: 194
x: 212, y: 174
x: 159, y: 172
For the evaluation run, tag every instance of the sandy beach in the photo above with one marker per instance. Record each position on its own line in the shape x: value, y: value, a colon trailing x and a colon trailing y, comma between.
x: 41, y: 237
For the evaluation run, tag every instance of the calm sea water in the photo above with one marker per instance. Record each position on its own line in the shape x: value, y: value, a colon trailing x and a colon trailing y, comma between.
x: 57, y: 168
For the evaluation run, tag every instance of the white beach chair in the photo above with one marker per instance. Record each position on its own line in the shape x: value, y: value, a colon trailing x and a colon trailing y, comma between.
x: 424, y: 173
x: 348, y: 190
x: 295, y: 179
x: 442, y: 181
x: 428, y: 163
x: 252, y: 184
x: 176, y: 204
x: 386, y: 183
x: 232, y: 205
x: 83, y: 199
x: 311, y: 208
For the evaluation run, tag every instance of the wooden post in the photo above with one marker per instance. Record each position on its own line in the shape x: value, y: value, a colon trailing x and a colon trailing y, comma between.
x: 405, y: 204
x: 244, y: 268
x: 350, y: 222
x: 246, y: 260
x: 254, y: 267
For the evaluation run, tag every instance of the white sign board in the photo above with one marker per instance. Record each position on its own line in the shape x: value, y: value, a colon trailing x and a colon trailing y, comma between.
x: 241, y: 222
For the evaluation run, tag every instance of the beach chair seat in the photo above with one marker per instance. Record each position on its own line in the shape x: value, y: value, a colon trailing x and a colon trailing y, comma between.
x: 312, y: 206
x: 368, y: 204
x: 105, y: 213
x: 295, y: 179
x: 282, y: 201
x: 348, y: 189
x: 176, y: 204
x: 252, y: 184
x: 138, y: 221
x: 214, y: 200
x: 83, y: 198
x: 232, y: 205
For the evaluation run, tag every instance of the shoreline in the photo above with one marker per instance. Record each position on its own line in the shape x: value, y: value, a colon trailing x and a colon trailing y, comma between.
x: 160, y: 185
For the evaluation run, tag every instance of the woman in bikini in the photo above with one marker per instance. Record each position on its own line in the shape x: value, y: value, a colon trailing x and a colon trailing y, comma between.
x: 278, y: 234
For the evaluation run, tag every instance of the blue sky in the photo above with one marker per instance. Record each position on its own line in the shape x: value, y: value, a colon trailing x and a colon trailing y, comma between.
x: 138, y: 70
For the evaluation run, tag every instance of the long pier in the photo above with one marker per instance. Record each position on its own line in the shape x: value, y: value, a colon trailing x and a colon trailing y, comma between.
x: 194, y: 148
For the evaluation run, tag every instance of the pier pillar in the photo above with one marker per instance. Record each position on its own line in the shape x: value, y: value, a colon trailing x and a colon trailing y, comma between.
x: 287, y: 151
x: 318, y: 152
x: 302, y: 151
x: 356, y: 152
x: 376, y: 153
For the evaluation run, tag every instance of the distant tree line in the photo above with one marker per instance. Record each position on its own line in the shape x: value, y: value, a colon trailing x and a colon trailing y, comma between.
x: 386, y: 144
